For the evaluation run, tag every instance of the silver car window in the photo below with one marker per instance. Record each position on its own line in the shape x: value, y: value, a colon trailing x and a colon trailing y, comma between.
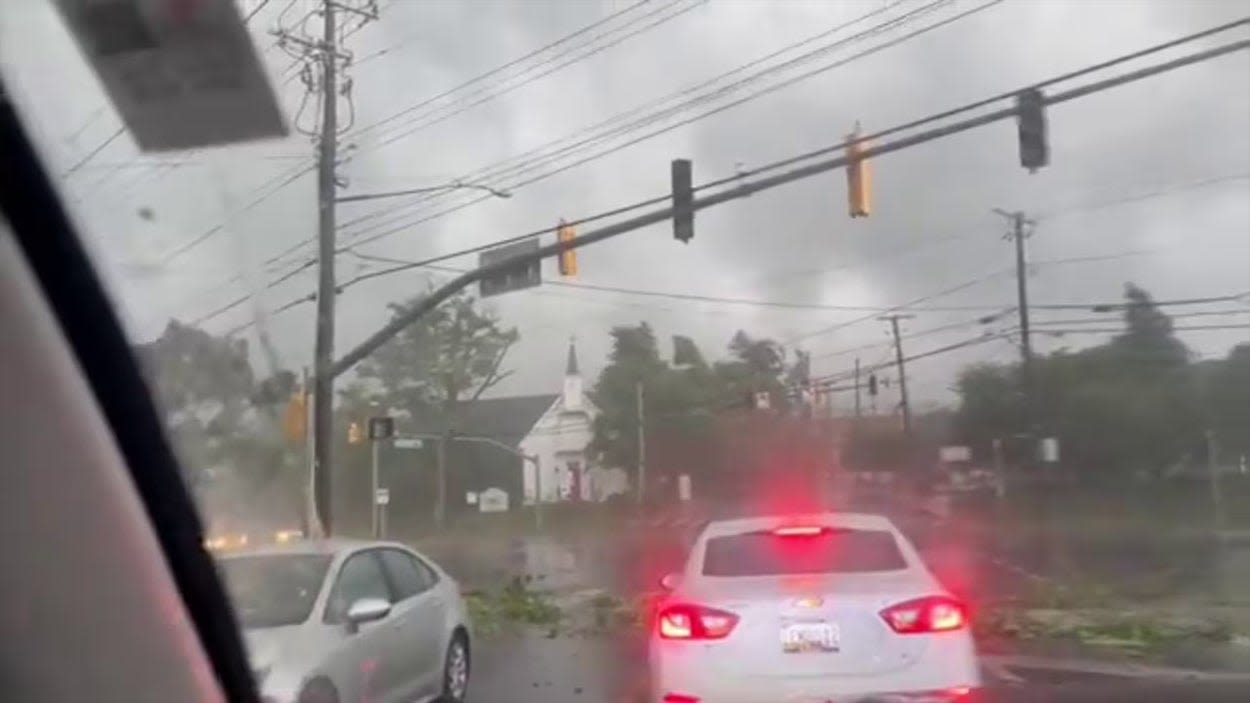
x: 360, y: 577
x: 409, y: 575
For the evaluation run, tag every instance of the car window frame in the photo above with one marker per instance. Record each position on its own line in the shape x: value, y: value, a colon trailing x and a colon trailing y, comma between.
x: 371, y: 553
x: 421, y: 566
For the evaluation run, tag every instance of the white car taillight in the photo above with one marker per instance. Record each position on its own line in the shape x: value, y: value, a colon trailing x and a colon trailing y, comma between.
x: 695, y: 622
x: 929, y: 614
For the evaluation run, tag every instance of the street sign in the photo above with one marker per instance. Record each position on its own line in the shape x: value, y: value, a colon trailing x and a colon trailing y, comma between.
x: 409, y: 443
x: 381, y: 428
x: 1050, y: 450
x: 526, y: 275
x: 382, y: 496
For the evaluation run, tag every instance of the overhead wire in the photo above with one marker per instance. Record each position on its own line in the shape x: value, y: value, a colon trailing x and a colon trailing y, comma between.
x: 537, y: 162
x: 467, y: 102
x: 500, y: 69
x: 1135, y: 75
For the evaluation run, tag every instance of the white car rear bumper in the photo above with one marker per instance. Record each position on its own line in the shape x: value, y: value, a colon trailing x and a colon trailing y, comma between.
x: 943, y: 673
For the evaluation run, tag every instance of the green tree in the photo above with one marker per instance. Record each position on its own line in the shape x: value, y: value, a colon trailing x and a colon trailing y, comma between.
x: 1130, y: 405
x: 223, y: 421
x: 1226, y: 398
x: 683, y: 399
x: 449, y: 357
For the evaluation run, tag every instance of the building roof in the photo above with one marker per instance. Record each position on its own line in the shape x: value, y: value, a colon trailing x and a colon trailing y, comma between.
x: 505, y: 419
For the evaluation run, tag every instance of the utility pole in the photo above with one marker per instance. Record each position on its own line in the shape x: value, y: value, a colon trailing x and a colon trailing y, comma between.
x: 1019, y: 232
x: 1213, y: 476
x: 323, y: 351
x: 902, y: 372
x: 858, y: 412
x: 642, y: 446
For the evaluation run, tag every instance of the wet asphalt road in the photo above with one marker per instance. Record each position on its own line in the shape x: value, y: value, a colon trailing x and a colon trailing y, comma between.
x: 560, y: 670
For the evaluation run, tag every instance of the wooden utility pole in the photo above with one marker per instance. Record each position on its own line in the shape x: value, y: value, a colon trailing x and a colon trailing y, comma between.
x: 858, y: 411
x: 323, y: 350
x: 642, y: 446
x: 902, y: 370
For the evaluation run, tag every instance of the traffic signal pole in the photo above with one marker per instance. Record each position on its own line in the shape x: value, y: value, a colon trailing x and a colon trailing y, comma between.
x: 744, y: 189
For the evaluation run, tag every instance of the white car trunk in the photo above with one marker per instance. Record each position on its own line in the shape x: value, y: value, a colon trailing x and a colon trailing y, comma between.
x: 814, y: 626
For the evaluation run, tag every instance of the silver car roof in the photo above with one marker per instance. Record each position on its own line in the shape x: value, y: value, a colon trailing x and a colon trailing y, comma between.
x: 332, y: 546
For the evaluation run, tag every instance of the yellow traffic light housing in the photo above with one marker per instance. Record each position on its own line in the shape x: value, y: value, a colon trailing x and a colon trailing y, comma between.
x: 858, y: 176
x: 354, y: 433
x: 567, y: 258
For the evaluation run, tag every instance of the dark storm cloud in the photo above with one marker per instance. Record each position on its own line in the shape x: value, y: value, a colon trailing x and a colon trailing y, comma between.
x: 931, y: 229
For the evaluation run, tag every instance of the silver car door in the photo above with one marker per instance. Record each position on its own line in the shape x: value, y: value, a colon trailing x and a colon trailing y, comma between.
x: 420, y: 639
x: 360, y: 655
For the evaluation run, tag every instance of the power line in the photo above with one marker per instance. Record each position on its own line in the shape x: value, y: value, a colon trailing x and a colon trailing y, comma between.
x: 1121, y: 330
x: 260, y: 6
x: 217, y: 228
x: 457, y: 109
x: 93, y: 153
x: 912, y: 335
x: 1173, y: 316
x: 1138, y: 197
x: 905, y: 306
x: 749, y: 188
x: 971, y: 106
x: 537, y: 162
x: 989, y: 337
x: 496, y: 268
x: 477, y: 79
x: 292, y: 175
x: 537, y: 152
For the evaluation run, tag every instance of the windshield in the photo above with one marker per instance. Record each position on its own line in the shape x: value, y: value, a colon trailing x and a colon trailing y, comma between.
x: 537, y: 290
x: 832, y: 552
x: 274, y: 590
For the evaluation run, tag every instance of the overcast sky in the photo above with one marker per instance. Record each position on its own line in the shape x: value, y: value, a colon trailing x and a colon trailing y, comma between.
x: 1147, y: 182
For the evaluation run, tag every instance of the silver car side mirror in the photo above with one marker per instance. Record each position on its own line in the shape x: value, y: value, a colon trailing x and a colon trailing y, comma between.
x: 366, y: 610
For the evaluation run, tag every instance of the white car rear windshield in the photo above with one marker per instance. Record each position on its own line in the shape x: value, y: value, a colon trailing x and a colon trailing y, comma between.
x: 829, y: 552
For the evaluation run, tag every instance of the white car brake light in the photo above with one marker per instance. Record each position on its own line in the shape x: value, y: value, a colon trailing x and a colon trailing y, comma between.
x: 929, y: 614
x: 695, y: 622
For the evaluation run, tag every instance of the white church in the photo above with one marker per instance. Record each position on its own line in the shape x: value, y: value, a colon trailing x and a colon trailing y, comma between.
x: 557, y: 439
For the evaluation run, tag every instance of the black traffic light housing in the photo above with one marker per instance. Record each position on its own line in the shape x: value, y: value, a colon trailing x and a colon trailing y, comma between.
x: 872, y: 384
x: 683, y: 198
x: 1031, y: 124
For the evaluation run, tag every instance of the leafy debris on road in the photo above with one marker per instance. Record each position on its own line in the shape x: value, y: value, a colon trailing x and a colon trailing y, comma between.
x: 1131, y: 632
x: 586, y: 613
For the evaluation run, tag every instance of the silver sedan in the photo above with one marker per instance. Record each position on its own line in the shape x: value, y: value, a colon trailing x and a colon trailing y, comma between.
x: 334, y: 621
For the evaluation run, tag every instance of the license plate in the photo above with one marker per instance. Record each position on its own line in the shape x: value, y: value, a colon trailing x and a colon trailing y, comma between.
x: 800, y: 637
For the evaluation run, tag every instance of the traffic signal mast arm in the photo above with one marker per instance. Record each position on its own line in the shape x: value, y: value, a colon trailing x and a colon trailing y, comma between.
x: 412, y: 314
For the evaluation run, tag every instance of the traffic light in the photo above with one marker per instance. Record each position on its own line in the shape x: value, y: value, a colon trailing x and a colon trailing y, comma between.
x: 295, y: 419
x: 354, y: 434
x: 568, y: 258
x: 683, y: 198
x: 1031, y: 122
x: 872, y: 384
x: 858, y: 176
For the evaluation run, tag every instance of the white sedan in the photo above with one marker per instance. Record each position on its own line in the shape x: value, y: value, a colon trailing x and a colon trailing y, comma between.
x: 809, y: 609
x: 340, y: 621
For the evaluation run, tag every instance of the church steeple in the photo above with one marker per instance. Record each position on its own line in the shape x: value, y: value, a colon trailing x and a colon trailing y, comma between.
x: 572, y: 397
x: 570, y: 368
